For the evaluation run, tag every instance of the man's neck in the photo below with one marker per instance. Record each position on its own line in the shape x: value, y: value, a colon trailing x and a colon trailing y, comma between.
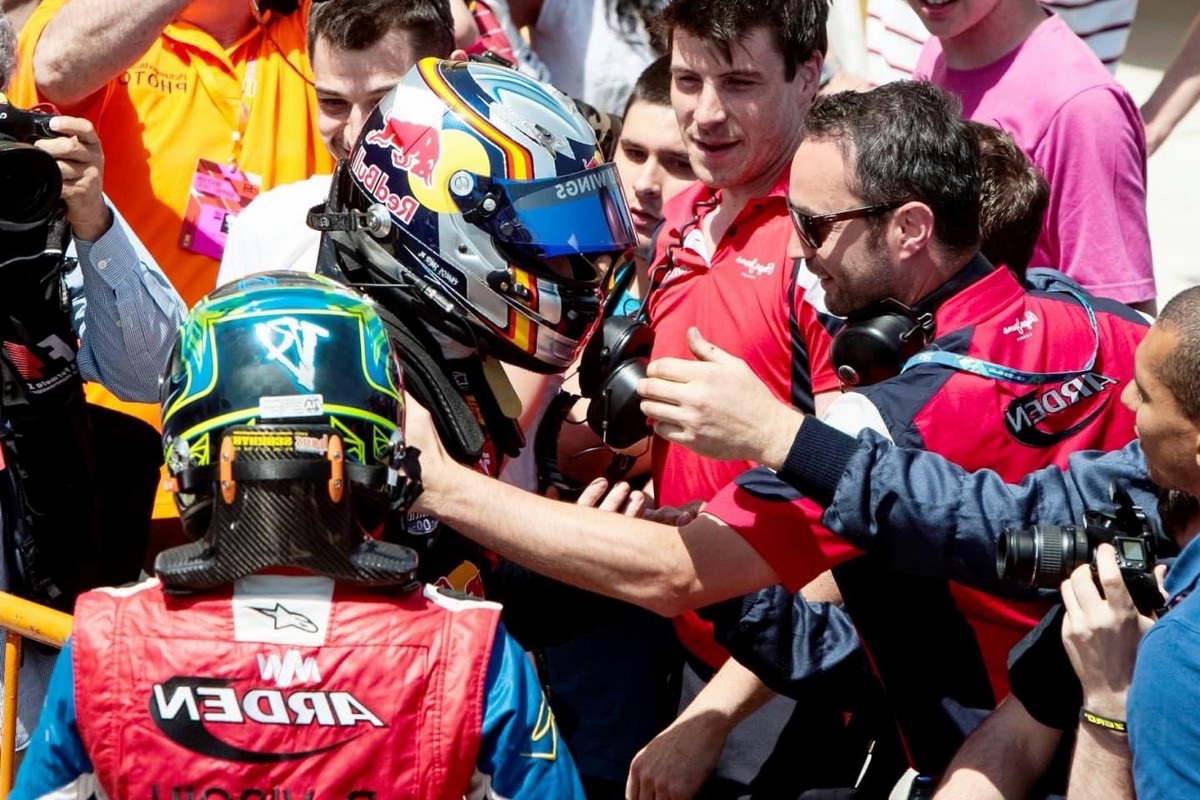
x: 1182, y: 540
x: 927, y: 275
x: 995, y: 36
x: 733, y: 200
x: 219, y: 20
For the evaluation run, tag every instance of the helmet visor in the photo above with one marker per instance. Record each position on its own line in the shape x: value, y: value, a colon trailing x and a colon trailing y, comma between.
x: 576, y: 214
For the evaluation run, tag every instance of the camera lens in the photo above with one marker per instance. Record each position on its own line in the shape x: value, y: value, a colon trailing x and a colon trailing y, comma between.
x: 1042, y: 556
x: 33, y: 185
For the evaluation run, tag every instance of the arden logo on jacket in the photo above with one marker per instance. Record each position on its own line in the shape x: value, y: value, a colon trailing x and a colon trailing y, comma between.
x: 1055, y: 412
x: 195, y: 712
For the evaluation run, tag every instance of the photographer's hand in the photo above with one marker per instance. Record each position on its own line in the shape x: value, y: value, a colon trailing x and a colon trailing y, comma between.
x: 81, y: 160
x: 1101, y: 633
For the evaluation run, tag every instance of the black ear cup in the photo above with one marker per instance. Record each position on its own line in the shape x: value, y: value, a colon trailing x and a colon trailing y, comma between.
x: 613, y: 361
x: 615, y: 413
x: 875, y: 343
x: 619, y: 339
x: 873, y: 346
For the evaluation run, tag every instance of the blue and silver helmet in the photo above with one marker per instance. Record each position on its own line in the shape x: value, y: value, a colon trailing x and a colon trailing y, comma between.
x: 494, y: 211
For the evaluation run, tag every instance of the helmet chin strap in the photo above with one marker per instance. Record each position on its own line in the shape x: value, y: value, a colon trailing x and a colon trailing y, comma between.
x: 502, y: 389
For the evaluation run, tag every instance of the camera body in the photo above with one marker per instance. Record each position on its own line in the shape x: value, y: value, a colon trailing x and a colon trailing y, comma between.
x: 33, y: 173
x: 27, y: 127
x: 1043, y: 556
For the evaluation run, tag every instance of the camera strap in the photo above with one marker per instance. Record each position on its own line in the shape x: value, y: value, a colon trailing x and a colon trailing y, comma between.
x: 45, y: 425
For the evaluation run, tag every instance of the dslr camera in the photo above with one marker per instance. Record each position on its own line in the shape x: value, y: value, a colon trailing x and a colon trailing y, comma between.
x: 1043, y: 556
x: 32, y: 178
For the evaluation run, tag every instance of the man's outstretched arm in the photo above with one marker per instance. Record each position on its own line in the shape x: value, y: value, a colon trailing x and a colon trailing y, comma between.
x: 659, y: 567
x: 1002, y: 759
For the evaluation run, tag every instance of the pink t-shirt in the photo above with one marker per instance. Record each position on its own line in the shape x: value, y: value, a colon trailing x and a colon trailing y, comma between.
x: 1082, y: 129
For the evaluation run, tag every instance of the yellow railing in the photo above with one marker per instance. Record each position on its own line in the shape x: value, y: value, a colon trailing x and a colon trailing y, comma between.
x: 21, y: 619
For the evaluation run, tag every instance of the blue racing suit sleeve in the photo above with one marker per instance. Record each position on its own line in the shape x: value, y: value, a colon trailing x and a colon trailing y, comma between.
x: 522, y: 753
x: 56, y: 763
x: 922, y: 514
x: 918, y: 513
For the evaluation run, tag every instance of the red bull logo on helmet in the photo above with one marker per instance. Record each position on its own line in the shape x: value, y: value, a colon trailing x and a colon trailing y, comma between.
x: 375, y: 183
x: 415, y: 148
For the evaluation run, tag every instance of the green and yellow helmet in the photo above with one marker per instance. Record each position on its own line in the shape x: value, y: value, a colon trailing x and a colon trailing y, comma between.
x: 288, y: 354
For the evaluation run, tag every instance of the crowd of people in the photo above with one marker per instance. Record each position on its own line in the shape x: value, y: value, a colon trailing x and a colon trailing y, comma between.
x: 594, y: 399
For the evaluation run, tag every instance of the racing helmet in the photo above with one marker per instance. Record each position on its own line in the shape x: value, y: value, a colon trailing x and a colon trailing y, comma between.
x: 283, y: 411
x: 488, y: 208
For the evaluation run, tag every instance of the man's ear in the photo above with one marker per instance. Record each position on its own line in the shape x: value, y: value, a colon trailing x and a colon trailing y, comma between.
x: 809, y: 73
x: 912, y: 228
x: 458, y: 55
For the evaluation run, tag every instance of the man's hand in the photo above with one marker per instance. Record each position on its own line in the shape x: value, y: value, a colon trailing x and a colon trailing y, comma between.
x: 621, y: 498
x: 634, y: 503
x: 81, y: 160
x: 716, y: 406
x: 437, y: 467
x: 1101, y: 633
x: 675, y: 764
x: 674, y: 515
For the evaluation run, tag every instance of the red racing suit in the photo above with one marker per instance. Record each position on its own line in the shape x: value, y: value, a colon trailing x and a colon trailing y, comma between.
x: 357, y: 694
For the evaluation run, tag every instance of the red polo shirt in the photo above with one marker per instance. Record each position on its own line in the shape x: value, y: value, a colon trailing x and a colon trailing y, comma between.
x: 749, y: 299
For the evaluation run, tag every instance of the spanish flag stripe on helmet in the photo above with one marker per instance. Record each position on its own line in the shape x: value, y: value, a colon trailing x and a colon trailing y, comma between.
x: 523, y: 332
x: 518, y: 160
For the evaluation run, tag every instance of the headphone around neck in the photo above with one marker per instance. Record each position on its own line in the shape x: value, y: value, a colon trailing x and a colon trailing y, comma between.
x: 876, y: 342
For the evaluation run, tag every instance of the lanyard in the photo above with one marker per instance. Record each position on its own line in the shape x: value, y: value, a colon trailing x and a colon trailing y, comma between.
x: 238, y: 116
x: 249, y: 87
x: 990, y: 369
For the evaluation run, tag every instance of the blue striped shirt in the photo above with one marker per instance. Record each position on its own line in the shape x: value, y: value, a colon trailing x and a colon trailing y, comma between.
x: 125, y: 312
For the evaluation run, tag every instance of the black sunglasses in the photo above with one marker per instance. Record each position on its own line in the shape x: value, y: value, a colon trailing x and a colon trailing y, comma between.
x: 813, y: 228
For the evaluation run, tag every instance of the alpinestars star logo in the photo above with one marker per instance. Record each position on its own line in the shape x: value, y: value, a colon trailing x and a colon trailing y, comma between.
x: 288, y: 619
x: 292, y: 343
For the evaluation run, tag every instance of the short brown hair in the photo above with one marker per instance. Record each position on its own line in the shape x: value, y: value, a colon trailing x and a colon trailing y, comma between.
x: 1015, y: 196
x: 361, y: 24
x: 653, y: 86
x: 797, y: 27
x: 907, y: 140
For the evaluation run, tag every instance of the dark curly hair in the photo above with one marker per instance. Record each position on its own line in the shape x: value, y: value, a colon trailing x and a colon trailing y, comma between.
x: 360, y: 24
x: 1181, y: 372
x: 797, y: 27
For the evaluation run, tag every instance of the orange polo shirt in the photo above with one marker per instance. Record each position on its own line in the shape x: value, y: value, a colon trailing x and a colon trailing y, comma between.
x: 181, y: 102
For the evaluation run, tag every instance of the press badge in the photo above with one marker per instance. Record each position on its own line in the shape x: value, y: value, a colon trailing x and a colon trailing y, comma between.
x: 218, y: 194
